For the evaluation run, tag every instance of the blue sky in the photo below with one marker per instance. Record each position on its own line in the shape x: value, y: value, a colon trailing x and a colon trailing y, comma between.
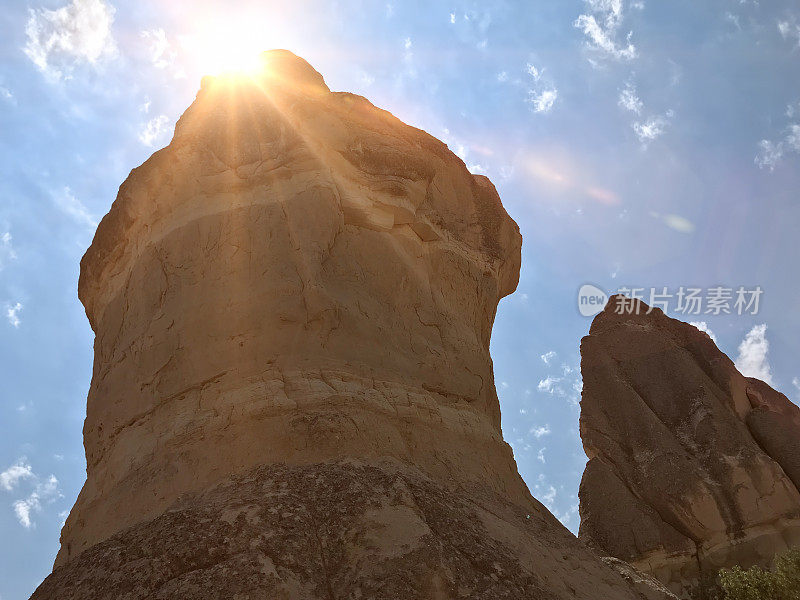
x: 638, y: 144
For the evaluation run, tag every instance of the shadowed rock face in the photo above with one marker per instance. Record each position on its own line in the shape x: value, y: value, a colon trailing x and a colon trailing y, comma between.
x: 692, y: 466
x: 292, y: 393
x: 339, y: 530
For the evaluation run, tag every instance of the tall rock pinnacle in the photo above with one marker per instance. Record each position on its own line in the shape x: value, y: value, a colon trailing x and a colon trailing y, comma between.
x: 292, y: 393
x: 692, y: 466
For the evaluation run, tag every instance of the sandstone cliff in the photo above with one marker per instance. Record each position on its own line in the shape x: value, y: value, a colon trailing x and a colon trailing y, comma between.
x: 292, y: 393
x: 692, y: 466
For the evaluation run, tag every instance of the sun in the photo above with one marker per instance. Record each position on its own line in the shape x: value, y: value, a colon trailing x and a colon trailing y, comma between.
x: 227, y: 48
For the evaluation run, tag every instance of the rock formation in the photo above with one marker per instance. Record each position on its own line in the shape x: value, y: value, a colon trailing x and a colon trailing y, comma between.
x: 292, y: 393
x: 692, y: 466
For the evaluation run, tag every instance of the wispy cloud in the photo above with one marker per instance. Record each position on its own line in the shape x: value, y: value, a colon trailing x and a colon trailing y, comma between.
x: 543, y: 94
x: 162, y: 53
x: 549, y: 497
x: 540, y: 431
x: 80, y: 32
x: 71, y: 206
x: 752, y: 360
x: 790, y: 30
x: 7, y: 95
x: 46, y: 492
x: 7, y: 252
x: 154, y: 130
x: 703, y: 326
x: 548, y: 384
x: 629, y: 100
x: 12, y: 314
x: 20, y: 470
x: 42, y: 492
x: 534, y: 72
x: 771, y: 152
x: 466, y: 152
x: 652, y: 128
x: 548, y: 356
x: 601, y: 24
x: 543, y: 101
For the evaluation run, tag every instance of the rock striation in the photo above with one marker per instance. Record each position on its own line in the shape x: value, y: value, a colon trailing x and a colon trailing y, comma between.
x: 292, y: 393
x: 692, y: 466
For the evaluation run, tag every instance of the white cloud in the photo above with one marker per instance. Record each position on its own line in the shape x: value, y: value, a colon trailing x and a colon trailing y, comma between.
x: 6, y: 94
x: 154, y: 130
x: 601, y: 26
x: 452, y: 17
x: 793, y: 137
x: 629, y: 100
x: 540, y: 455
x: 61, y: 39
x: 549, y: 497
x: 548, y: 384
x: 540, y: 431
x: 703, y: 326
x: 161, y: 53
x: 502, y: 76
x: 12, y: 314
x: 543, y: 101
x: 15, y: 473
x: 790, y: 30
x: 70, y: 205
x: 534, y: 72
x: 752, y: 360
x: 734, y: 19
x: 548, y: 356
x: 796, y: 383
x: 652, y: 128
x: 23, y: 509
x: 46, y: 492
x: 770, y: 152
x: 7, y: 252
x: 366, y: 79
x: 463, y: 151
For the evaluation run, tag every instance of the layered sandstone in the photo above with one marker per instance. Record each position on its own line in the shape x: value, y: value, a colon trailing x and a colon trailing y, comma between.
x: 292, y: 393
x: 692, y: 466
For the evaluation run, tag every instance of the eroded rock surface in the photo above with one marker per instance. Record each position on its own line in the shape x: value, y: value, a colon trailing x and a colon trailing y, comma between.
x: 292, y: 393
x: 692, y: 466
x: 338, y: 530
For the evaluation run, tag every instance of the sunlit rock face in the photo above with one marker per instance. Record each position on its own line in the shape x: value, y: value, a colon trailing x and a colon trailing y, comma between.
x: 292, y: 393
x: 692, y: 466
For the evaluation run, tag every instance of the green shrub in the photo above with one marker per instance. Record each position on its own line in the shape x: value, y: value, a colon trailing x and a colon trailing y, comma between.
x: 707, y: 588
x: 755, y: 583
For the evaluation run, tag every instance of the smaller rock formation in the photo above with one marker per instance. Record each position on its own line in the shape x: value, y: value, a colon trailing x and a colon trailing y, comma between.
x: 692, y: 466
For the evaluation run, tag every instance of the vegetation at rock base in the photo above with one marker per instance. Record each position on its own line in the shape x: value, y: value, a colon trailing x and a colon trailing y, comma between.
x: 782, y: 582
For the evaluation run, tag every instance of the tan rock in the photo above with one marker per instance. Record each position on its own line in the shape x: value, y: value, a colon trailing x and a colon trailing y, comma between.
x: 691, y: 465
x: 292, y: 393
